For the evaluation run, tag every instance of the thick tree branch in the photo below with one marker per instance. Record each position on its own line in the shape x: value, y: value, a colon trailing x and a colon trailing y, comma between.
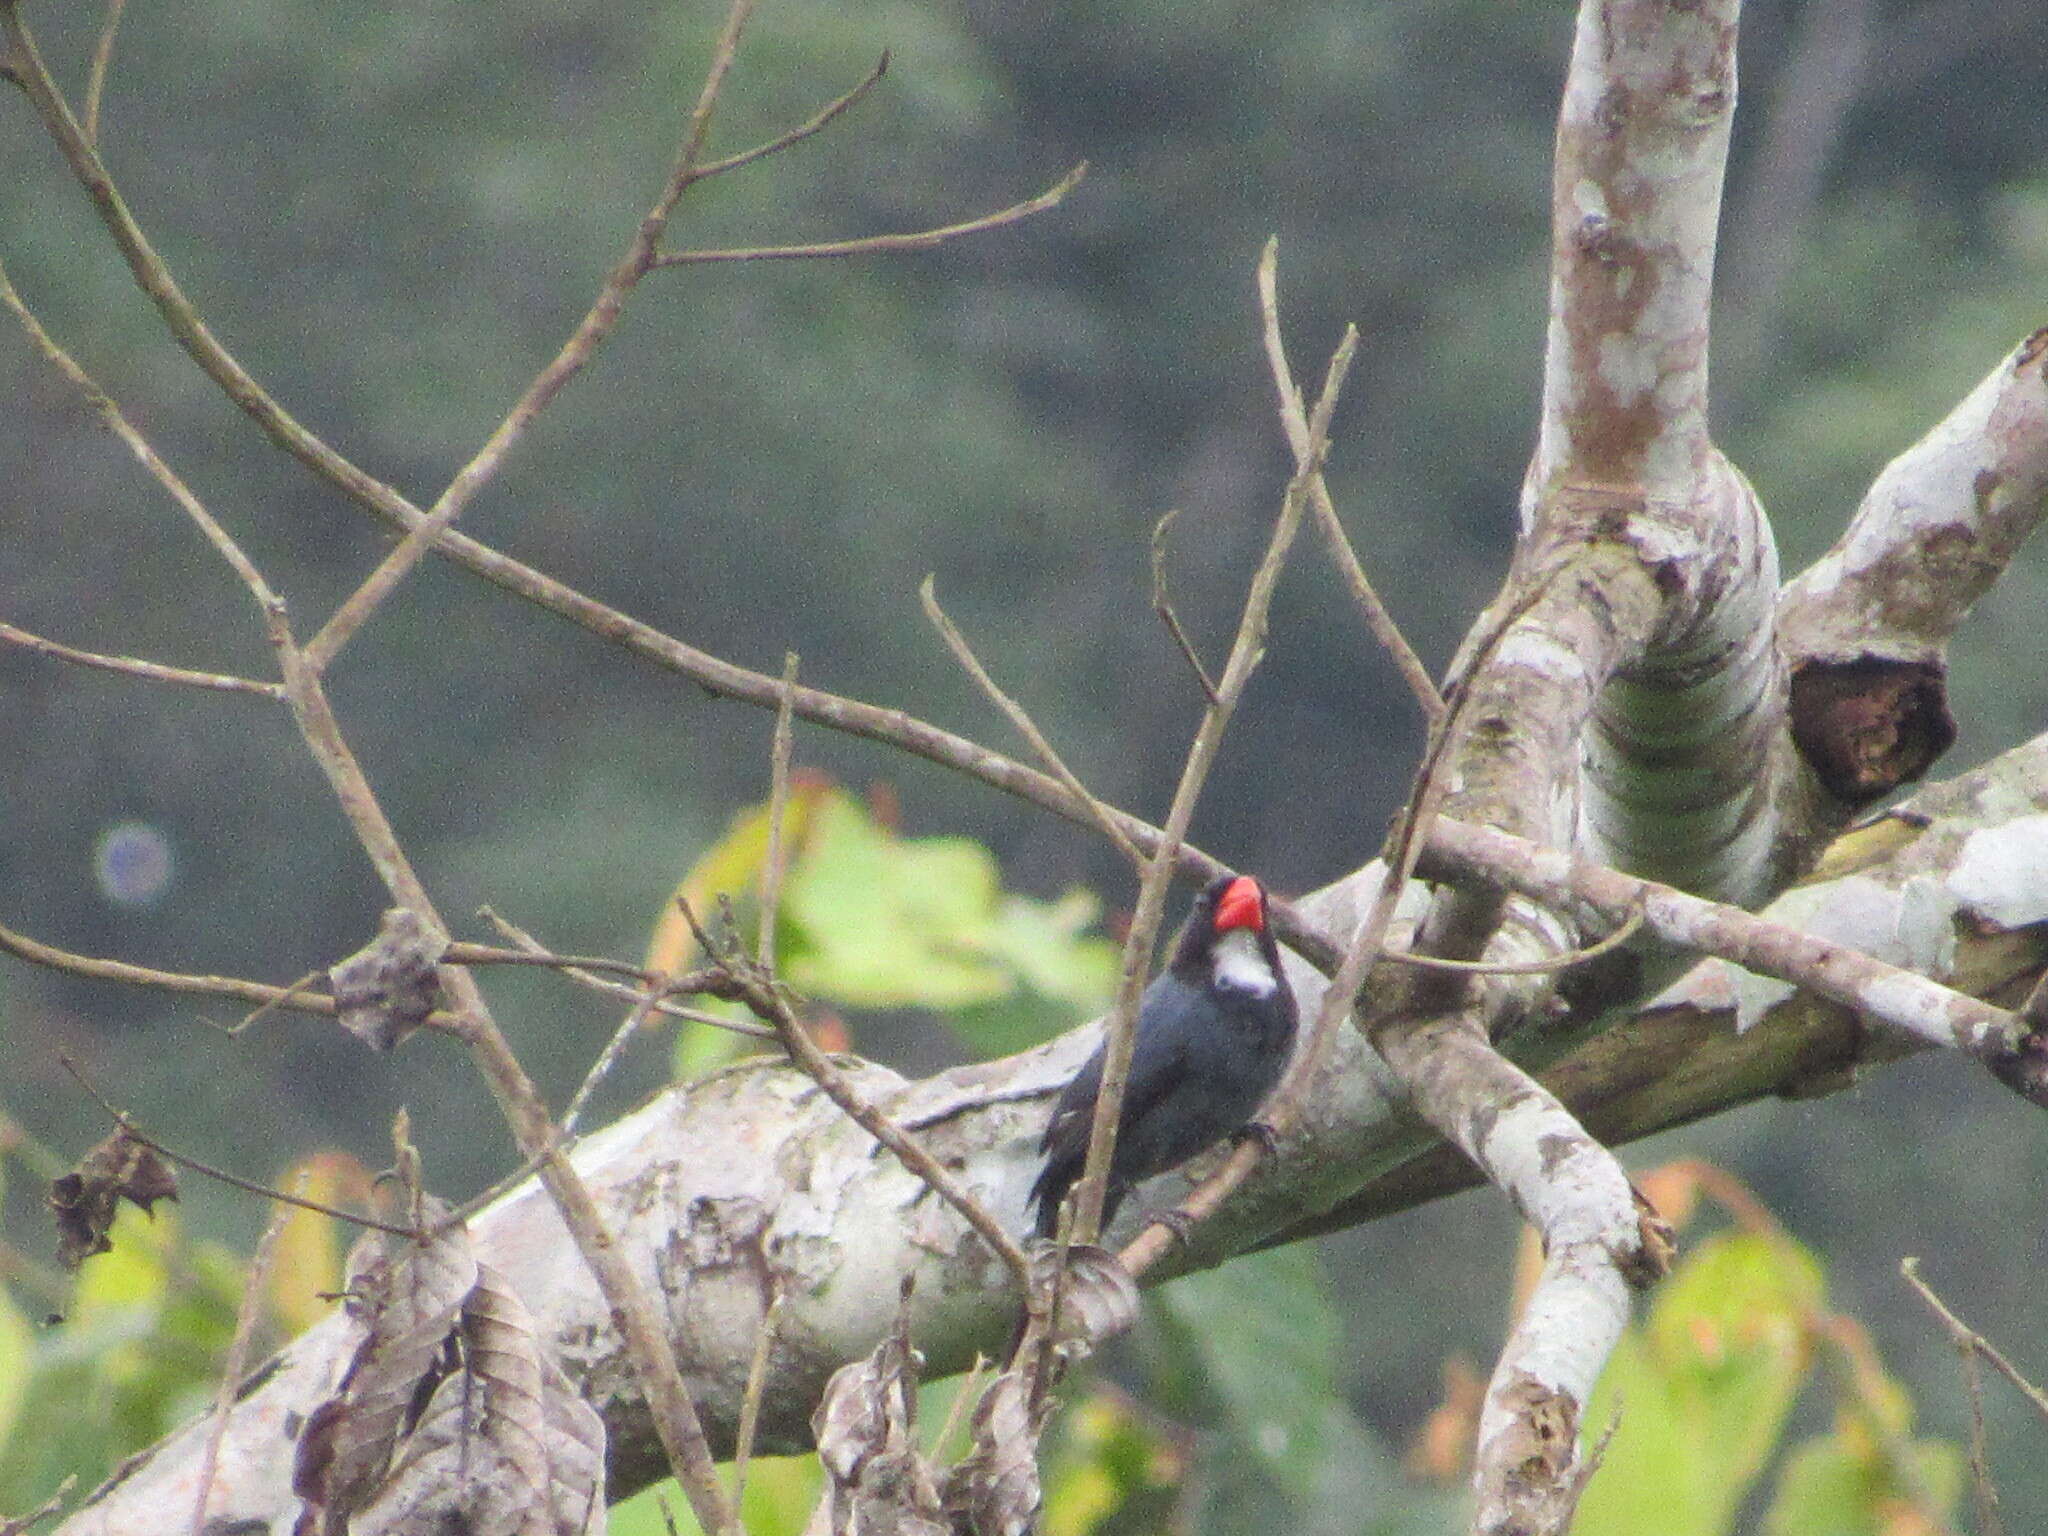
x: 749, y: 1182
x: 1866, y: 627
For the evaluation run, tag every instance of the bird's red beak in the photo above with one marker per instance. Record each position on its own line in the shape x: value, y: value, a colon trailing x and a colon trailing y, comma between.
x: 1242, y: 905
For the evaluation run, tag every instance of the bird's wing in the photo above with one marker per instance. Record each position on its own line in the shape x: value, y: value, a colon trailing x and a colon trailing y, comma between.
x: 1159, y: 1065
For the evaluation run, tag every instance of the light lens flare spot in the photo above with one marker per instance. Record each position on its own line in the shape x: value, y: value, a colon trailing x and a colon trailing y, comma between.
x: 132, y: 864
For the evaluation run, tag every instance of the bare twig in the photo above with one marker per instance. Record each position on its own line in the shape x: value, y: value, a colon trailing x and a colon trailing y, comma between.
x: 36, y: 952
x: 773, y: 867
x: 535, y: 954
x: 1367, y: 944
x: 1021, y: 719
x: 578, y: 968
x: 1246, y: 649
x: 750, y: 1401
x: 127, y: 1122
x: 1988, y: 1521
x: 798, y: 134
x: 54, y: 1504
x: 1308, y: 464
x: 1905, y: 1000
x: 115, y: 421
x: 1627, y: 929
x: 282, y: 1000
x: 654, y: 999
x: 608, y: 1059
x: 1377, y: 619
x: 722, y: 678
x: 652, y: 996
x: 267, y: 996
x: 676, y: 1420
x: 582, y: 345
x: 132, y: 666
x: 874, y: 245
x: 102, y: 59
x: 1966, y: 1338
x: 1162, y: 605
x: 237, y: 1357
x: 957, y: 1410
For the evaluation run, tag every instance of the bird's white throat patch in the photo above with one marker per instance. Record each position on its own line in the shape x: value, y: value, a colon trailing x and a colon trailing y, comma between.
x: 1240, y: 966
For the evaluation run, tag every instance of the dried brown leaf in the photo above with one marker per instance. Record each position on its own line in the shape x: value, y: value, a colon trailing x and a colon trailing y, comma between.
x: 1099, y: 1299
x: 84, y: 1200
x: 995, y: 1490
x: 386, y: 990
x: 408, y: 1297
x: 876, y: 1481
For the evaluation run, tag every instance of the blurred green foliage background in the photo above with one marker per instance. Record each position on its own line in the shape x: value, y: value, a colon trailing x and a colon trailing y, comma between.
x: 394, y: 214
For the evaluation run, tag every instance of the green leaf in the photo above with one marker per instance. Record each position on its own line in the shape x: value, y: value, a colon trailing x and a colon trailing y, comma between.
x: 1836, y: 1486
x: 1106, y: 1461
x: 1048, y: 945
x: 17, y: 1352
x: 781, y: 1493
x: 871, y: 919
x: 887, y: 922
x: 1703, y: 1388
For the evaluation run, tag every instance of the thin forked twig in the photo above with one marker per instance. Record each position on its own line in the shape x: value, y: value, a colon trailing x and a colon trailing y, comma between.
x: 1021, y: 719
x: 1369, y: 942
x: 875, y: 245
x: 582, y: 345
x: 533, y: 953
x: 1246, y: 649
x: 797, y: 134
x: 127, y: 1122
x: 579, y: 969
x: 1163, y: 606
x: 650, y: 997
x: 1294, y: 422
x: 237, y: 1358
x: 676, y: 1420
x: 135, y: 666
x: 102, y: 60
x: 1964, y: 1337
x: 918, y: 737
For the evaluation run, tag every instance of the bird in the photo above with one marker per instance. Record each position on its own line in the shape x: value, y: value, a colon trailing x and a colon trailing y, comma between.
x: 1215, y: 1030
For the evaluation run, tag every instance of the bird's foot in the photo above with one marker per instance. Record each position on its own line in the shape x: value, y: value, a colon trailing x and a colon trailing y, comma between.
x: 1261, y: 1132
x: 1177, y: 1221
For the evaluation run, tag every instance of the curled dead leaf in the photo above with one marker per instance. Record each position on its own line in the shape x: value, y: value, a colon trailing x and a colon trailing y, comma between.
x: 388, y: 988
x: 123, y: 1167
x: 995, y: 1489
